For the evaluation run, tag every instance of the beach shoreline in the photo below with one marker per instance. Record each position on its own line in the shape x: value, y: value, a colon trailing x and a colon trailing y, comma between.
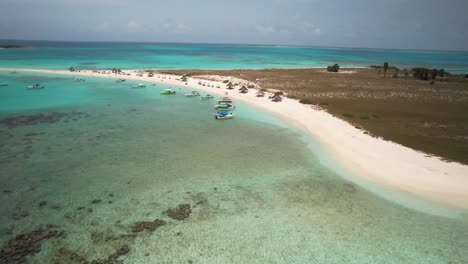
x: 376, y: 160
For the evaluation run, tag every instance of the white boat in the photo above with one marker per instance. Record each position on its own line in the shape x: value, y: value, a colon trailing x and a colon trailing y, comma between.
x: 225, y: 100
x: 3, y: 84
x: 140, y: 85
x: 224, y: 115
x: 207, y: 97
x: 192, y: 94
x: 36, y: 86
x: 168, y: 91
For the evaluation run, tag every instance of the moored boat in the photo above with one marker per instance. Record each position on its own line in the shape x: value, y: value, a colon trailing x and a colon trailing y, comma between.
x: 207, y: 97
x: 140, y: 85
x: 121, y: 80
x: 224, y: 107
x: 193, y: 93
x: 36, y: 86
x: 225, y: 100
x: 3, y: 84
x: 221, y: 115
x: 168, y: 91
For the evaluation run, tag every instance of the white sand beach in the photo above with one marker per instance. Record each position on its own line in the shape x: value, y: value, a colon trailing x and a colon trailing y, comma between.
x: 375, y: 160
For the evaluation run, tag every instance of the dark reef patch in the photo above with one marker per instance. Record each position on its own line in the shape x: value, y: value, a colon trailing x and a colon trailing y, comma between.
x: 68, y: 255
x: 145, y: 225
x: 34, y: 119
x: 16, y: 250
x: 180, y: 213
x: 96, y: 201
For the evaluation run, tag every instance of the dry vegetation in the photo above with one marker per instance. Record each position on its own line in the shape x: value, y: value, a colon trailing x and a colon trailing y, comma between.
x: 429, y: 117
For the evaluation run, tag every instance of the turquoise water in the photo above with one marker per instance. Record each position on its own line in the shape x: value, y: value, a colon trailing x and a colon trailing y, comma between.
x: 258, y: 194
x: 104, y: 55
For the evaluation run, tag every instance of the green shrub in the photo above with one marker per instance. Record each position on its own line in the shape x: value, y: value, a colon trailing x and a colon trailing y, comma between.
x: 306, y: 101
x: 334, y: 68
x: 348, y: 115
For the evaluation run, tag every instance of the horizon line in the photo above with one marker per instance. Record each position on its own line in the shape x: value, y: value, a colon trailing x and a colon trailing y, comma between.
x: 240, y: 44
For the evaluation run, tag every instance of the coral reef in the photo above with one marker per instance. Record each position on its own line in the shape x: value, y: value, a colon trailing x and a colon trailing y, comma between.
x: 28, y: 120
x: 180, y: 213
x: 16, y: 250
x: 144, y: 225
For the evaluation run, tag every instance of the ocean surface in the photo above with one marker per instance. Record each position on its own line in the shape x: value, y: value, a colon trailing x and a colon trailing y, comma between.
x: 105, y: 55
x: 93, y: 159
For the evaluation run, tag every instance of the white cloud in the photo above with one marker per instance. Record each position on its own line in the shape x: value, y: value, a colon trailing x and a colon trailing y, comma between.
x: 134, y: 27
x: 265, y: 30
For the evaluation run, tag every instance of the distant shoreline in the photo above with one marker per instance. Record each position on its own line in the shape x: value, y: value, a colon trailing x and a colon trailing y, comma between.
x: 372, y: 159
x: 13, y: 47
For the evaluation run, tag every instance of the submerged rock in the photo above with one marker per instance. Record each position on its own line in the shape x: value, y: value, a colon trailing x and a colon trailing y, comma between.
x: 76, y: 258
x: 16, y: 250
x: 180, y: 213
x: 144, y: 225
x: 95, y: 201
x: 28, y: 120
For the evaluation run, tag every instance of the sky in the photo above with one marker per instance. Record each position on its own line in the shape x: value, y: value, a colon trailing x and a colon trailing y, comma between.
x: 394, y: 24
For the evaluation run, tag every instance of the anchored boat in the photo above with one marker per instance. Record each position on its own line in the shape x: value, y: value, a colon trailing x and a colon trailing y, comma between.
x: 36, y: 86
x: 140, y: 85
x: 3, y: 84
x: 168, y: 91
x: 221, y: 115
x: 225, y: 100
x: 192, y: 94
x: 224, y: 107
x: 207, y: 97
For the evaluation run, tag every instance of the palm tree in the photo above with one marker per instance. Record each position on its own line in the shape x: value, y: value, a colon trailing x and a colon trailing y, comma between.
x: 441, y: 73
x: 434, y: 73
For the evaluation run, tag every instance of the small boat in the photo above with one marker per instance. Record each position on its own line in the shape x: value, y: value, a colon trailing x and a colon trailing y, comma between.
x: 36, y: 86
x: 80, y: 79
x: 224, y: 107
x: 140, y: 85
x: 225, y: 100
x: 221, y: 115
x: 121, y: 80
x: 3, y: 84
x: 192, y: 94
x: 207, y: 97
x: 168, y: 91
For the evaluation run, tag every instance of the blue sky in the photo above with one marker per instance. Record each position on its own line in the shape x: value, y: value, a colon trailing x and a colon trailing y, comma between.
x: 400, y: 24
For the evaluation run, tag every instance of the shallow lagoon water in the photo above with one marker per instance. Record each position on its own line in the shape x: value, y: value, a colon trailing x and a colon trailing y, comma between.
x: 106, y: 55
x: 257, y: 193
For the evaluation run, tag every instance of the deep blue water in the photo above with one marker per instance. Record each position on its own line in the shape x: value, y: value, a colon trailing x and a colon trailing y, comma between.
x: 101, y: 55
